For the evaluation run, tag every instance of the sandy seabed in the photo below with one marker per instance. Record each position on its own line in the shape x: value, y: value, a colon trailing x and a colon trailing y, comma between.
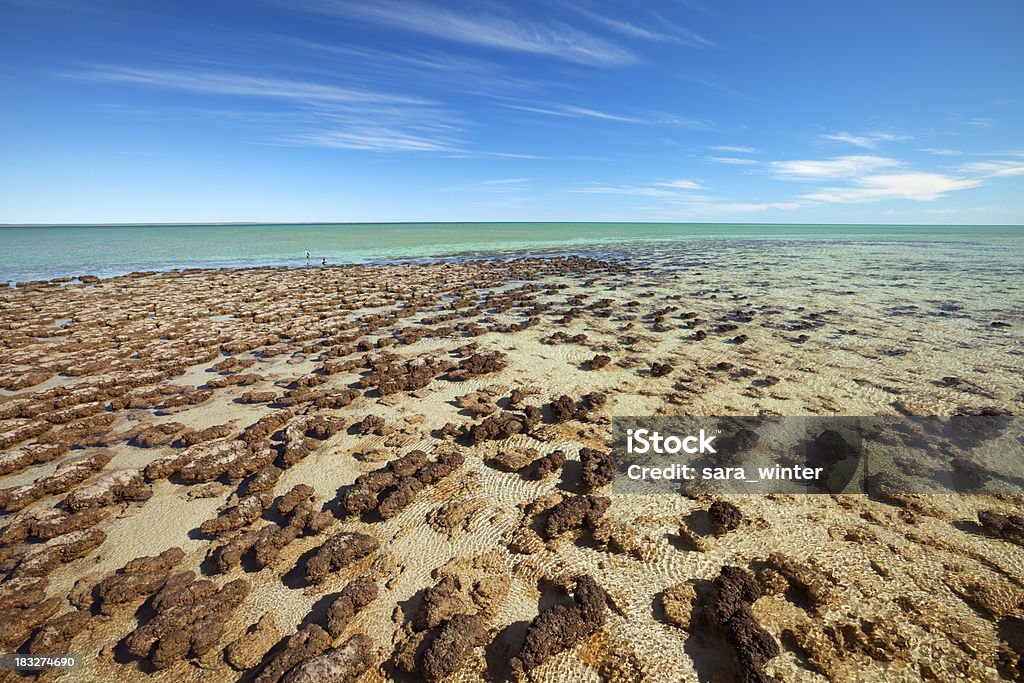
x: 400, y: 472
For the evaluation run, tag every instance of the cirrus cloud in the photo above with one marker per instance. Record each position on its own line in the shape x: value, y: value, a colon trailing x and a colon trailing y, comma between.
x: 1000, y: 168
x: 849, y: 166
x: 917, y: 186
x: 866, y: 140
x: 494, y: 28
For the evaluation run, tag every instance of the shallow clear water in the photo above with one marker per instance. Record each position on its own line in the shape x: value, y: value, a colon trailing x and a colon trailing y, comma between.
x: 29, y: 253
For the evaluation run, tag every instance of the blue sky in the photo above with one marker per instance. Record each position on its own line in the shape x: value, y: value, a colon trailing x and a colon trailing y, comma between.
x: 679, y: 110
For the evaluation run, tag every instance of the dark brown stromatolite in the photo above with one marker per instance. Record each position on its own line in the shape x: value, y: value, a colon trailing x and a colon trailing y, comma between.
x: 561, y: 627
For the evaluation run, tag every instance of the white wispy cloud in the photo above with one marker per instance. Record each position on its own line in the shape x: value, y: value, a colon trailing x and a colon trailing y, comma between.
x: 997, y: 168
x: 917, y: 186
x: 502, y: 155
x: 870, y: 178
x: 373, y: 139
x: 939, y: 151
x: 733, y: 161
x: 690, y: 4
x: 682, y: 184
x: 620, y: 26
x: 830, y: 169
x: 685, y: 197
x: 680, y: 189
x: 314, y: 114
x: 630, y: 191
x: 753, y: 207
x: 495, y: 28
x: 716, y: 208
x: 670, y: 33
x: 708, y: 79
x: 684, y: 122
x: 505, y: 191
x: 651, y: 119
x: 218, y: 83
x: 683, y: 34
x: 494, y: 187
x: 865, y: 140
x: 383, y: 129
x: 979, y: 121
x: 505, y: 181
x: 975, y: 121
x: 850, y: 179
x: 575, y: 112
x: 735, y: 149
x: 434, y: 69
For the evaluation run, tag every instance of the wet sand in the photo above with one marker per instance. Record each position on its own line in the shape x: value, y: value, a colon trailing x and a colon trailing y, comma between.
x: 369, y: 455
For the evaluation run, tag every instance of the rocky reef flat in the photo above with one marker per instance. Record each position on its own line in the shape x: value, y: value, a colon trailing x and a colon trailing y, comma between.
x: 401, y: 472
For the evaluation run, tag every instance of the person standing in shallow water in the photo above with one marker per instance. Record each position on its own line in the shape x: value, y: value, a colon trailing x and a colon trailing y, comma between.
x: 307, y: 258
x: 323, y: 263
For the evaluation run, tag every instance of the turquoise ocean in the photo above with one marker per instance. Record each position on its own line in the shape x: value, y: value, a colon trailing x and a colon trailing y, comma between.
x: 44, y: 252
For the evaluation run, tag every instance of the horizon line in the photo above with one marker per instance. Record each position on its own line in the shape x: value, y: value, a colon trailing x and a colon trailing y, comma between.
x: 163, y: 224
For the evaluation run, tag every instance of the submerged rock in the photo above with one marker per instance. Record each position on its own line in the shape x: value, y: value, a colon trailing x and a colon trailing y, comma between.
x: 342, y: 664
x: 597, y: 471
x: 561, y: 627
x: 724, y: 517
x: 249, y: 649
x: 338, y: 552
x: 575, y: 512
x: 735, y: 591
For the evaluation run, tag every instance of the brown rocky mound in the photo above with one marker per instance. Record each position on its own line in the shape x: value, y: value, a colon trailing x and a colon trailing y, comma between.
x: 338, y: 552
x: 575, y: 512
x: 342, y: 664
x: 189, y: 619
x: 561, y: 627
x: 597, y: 470
x: 735, y: 591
